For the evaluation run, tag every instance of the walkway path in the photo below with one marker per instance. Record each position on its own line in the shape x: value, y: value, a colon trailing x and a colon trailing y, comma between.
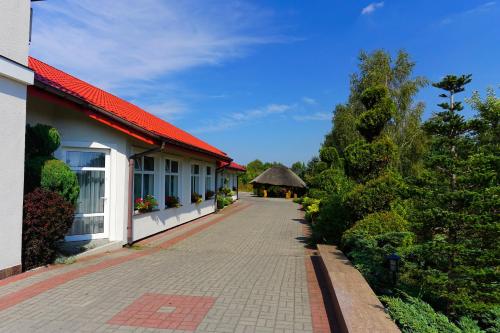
x: 244, y: 270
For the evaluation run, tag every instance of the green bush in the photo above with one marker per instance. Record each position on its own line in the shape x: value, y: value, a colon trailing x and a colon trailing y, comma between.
x: 228, y: 201
x: 220, y: 202
x: 374, y: 196
x: 316, y: 193
x: 330, y: 156
x: 312, y: 211
x: 378, y: 223
x: 366, y: 161
x: 413, y: 315
x: 41, y: 140
x: 372, y: 96
x: 275, y: 192
x: 32, y: 172
x: 333, y: 217
x: 56, y: 176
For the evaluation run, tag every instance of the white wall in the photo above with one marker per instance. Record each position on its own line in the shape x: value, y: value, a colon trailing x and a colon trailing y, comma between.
x: 14, y: 28
x: 166, y: 218
x: 79, y: 131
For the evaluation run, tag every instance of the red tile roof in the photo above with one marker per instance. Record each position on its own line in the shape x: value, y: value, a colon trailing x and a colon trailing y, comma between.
x: 116, y: 106
x: 233, y: 166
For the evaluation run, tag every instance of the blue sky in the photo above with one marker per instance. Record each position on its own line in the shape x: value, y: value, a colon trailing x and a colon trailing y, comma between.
x: 259, y: 79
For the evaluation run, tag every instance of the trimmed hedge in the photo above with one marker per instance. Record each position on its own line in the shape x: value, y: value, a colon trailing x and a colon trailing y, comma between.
x: 57, y: 176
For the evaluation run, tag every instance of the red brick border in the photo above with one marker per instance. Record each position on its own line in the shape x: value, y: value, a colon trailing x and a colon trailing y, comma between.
x: 319, y: 315
x: 183, y: 312
x: 35, y: 289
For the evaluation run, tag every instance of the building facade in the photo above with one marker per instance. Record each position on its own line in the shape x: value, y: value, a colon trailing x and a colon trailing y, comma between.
x: 15, y: 76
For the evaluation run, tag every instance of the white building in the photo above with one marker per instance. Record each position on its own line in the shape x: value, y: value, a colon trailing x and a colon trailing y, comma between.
x: 227, y: 176
x: 14, y: 77
x: 121, y: 153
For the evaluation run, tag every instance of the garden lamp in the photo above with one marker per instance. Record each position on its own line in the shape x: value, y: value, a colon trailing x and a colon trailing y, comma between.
x: 393, y: 266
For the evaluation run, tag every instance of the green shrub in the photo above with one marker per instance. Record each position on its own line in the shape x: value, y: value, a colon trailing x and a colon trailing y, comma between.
x: 57, y: 176
x: 372, y: 96
x: 374, y: 196
x: 228, y: 201
x: 275, y: 192
x: 220, y: 202
x: 312, y: 211
x: 32, y: 172
x: 316, y: 193
x: 413, y: 315
x: 371, y: 123
x: 366, y: 161
x: 333, y: 217
x: 330, y: 156
x: 378, y: 223
x: 41, y: 140
x: 371, y: 240
x: 306, y: 202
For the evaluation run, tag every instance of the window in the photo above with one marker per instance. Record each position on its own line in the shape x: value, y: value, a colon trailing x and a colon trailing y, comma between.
x: 144, y: 178
x: 209, y: 183
x: 195, y: 178
x: 90, y: 170
x: 171, y: 178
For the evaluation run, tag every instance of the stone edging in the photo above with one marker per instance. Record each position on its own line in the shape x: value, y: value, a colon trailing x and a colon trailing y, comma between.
x: 356, y: 307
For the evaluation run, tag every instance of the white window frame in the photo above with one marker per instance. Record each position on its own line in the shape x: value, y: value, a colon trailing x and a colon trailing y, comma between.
x: 107, y: 190
x: 170, y: 173
x: 147, y: 172
x: 191, y: 180
x: 211, y: 178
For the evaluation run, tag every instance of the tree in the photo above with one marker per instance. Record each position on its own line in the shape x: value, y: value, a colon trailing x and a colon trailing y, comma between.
x: 299, y: 168
x: 379, y: 69
x: 457, y: 199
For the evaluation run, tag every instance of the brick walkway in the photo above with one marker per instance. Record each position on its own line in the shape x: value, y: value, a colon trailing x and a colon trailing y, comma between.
x: 244, y: 270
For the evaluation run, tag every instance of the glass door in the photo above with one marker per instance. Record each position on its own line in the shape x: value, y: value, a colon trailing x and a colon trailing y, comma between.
x: 91, y: 208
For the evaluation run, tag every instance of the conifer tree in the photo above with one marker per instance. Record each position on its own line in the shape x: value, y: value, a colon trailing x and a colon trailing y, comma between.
x: 456, y: 216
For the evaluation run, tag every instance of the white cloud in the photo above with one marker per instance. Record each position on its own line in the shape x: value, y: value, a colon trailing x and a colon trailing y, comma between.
x: 372, y: 7
x: 313, y: 117
x: 239, y: 118
x: 482, y: 8
x: 309, y: 100
x: 127, y: 44
x: 169, y: 111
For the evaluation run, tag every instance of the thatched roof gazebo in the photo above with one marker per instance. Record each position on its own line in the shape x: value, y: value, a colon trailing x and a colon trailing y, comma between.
x: 279, y: 175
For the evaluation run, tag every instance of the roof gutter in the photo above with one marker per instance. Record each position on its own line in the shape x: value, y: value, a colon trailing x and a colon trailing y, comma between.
x: 46, y: 87
x: 131, y: 167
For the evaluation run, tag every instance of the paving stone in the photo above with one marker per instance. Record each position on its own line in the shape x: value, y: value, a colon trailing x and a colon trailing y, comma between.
x: 251, y: 264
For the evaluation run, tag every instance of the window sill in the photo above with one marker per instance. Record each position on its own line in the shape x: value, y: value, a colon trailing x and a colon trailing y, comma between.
x: 166, y: 207
x: 136, y: 212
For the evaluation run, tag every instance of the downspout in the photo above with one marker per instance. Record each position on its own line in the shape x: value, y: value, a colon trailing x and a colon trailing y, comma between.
x: 237, y: 187
x: 131, y: 167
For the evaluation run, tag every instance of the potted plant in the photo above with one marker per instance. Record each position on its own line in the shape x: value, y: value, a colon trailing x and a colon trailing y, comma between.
x: 196, y: 198
x: 146, y: 204
x: 172, y: 202
x: 209, y: 194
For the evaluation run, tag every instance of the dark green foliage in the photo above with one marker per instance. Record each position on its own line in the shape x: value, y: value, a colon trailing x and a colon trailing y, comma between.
x: 41, y: 140
x: 456, y: 217
x: 47, y: 217
x: 374, y: 196
x: 276, y: 191
x: 343, y: 128
x: 379, y: 110
x: 332, y: 219
x: 220, y: 202
x: 299, y: 168
x: 330, y: 156
x: 378, y: 223
x: 415, y: 316
x: 33, y: 170
x: 56, y: 176
x: 364, y: 161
